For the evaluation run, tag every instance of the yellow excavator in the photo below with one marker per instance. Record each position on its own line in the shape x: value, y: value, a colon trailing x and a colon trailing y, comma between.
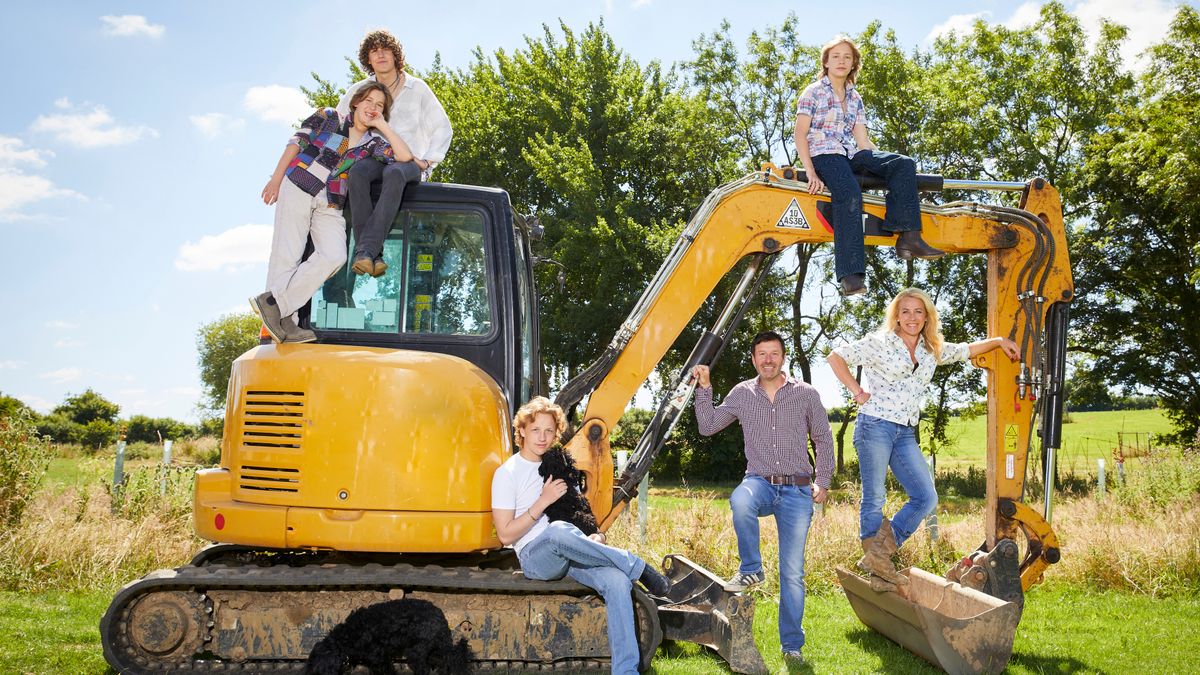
x: 358, y: 469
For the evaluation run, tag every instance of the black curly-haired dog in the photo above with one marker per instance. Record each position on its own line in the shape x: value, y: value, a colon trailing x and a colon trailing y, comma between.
x: 376, y: 636
x: 572, y: 507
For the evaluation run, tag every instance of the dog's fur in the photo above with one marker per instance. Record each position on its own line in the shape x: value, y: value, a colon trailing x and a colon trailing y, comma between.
x: 572, y: 506
x: 378, y: 635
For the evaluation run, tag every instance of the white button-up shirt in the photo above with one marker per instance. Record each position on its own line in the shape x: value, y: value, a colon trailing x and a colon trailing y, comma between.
x: 417, y: 117
x: 897, y: 386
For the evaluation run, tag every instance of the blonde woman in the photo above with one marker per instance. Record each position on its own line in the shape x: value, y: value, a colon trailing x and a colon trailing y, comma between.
x: 898, y: 361
x: 550, y: 551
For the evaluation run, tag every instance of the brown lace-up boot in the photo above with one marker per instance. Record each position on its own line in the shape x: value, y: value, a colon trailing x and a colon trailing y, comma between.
x: 878, y: 559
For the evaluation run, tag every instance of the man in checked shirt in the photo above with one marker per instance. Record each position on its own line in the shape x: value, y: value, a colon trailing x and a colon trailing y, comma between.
x: 779, y: 416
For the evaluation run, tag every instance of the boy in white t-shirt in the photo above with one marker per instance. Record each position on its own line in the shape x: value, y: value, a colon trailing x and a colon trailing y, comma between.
x: 550, y: 551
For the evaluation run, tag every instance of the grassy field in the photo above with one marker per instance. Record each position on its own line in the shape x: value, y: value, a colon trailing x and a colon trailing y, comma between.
x: 1126, y: 595
x: 1064, y: 630
x: 1086, y: 437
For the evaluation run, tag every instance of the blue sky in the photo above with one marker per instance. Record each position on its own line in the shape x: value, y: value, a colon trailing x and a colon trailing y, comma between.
x: 136, y: 137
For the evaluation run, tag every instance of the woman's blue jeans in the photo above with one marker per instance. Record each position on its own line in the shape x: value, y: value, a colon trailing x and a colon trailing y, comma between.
x: 881, y: 444
x: 563, y: 550
x: 792, y: 507
x: 903, y: 204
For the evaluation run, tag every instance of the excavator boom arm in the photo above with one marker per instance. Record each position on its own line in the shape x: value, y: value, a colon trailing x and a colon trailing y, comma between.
x: 770, y: 210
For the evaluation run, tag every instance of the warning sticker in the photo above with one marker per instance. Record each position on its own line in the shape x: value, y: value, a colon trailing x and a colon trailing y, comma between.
x: 793, y: 217
x: 424, y: 262
x: 1010, y: 449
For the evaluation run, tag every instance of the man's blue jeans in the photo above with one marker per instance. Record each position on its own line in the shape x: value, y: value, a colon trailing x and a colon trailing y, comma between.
x: 562, y: 550
x: 792, y: 507
x: 881, y: 444
x: 903, y: 204
x: 372, y: 223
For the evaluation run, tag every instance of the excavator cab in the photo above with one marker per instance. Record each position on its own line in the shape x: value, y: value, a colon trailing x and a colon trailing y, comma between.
x: 459, y: 281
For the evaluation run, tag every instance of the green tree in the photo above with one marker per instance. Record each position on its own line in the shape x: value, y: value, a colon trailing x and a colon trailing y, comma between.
x: 88, y: 407
x: 140, y: 428
x: 97, y: 434
x: 10, y: 406
x: 612, y: 155
x: 1141, y: 254
x: 218, y: 343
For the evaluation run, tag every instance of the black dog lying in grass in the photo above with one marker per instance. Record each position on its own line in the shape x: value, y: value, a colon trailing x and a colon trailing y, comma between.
x: 378, y: 635
x: 572, y: 506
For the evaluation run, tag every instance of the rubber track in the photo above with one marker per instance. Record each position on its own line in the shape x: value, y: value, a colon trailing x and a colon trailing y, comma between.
x: 373, y: 576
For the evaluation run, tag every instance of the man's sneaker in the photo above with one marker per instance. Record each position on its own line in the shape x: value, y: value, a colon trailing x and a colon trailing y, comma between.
x: 293, y: 334
x: 658, y: 585
x: 265, y: 307
x: 795, y: 658
x: 741, y: 581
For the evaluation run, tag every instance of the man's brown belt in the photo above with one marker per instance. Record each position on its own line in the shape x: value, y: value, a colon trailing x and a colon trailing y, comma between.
x: 785, y: 479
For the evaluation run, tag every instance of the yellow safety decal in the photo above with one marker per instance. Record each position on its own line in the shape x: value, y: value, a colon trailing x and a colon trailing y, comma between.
x: 424, y: 262
x: 1010, y: 449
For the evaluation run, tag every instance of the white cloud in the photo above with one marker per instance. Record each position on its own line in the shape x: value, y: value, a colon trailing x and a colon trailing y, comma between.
x: 240, y: 246
x: 276, y: 103
x: 13, y: 153
x: 1024, y: 16
x: 11, y: 365
x: 68, y: 343
x: 18, y: 189
x: 92, y: 129
x: 959, y: 23
x: 36, y: 402
x: 61, y: 325
x: 211, y: 125
x: 62, y: 375
x: 638, y: 4
x: 1147, y: 20
x: 131, y: 25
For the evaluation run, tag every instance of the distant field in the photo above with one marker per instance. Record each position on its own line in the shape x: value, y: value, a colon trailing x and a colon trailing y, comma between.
x: 1086, y: 437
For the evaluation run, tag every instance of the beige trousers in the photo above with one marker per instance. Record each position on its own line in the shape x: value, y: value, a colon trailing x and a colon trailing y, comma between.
x: 297, y: 216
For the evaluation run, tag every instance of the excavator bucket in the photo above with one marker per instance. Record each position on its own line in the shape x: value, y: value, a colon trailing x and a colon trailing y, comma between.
x: 700, y: 610
x: 958, y: 629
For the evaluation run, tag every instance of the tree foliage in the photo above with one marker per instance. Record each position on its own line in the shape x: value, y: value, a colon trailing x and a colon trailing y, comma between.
x: 218, y: 343
x: 143, y: 429
x: 1140, y: 256
x: 610, y: 154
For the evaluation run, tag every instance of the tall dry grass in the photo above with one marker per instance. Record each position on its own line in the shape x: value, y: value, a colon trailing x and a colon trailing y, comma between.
x: 1106, y: 543
x: 72, y: 540
x: 1141, y: 538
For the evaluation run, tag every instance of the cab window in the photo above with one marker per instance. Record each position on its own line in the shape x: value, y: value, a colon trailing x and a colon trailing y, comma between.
x: 436, y: 281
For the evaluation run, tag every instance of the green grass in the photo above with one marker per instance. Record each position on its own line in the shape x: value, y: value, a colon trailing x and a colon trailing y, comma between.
x: 52, y: 632
x: 1087, y: 437
x: 1064, y: 630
